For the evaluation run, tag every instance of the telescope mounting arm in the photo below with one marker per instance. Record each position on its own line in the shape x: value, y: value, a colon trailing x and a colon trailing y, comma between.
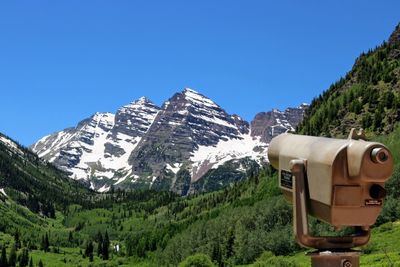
x: 300, y: 220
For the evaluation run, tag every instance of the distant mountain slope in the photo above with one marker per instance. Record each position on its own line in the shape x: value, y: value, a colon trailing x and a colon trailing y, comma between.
x: 167, y: 148
x: 272, y: 123
x: 34, y: 183
x: 368, y: 96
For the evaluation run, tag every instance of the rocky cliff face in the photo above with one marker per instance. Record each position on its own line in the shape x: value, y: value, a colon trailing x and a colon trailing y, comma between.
x: 182, y: 146
x: 267, y: 125
x: 187, y: 121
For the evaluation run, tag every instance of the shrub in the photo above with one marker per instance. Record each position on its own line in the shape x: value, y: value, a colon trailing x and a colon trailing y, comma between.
x: 197, y: 260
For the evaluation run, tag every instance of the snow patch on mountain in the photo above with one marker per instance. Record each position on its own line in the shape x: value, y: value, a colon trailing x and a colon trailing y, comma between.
x: 194, y: 97
x: 3, y: 192
x: 174, y: 167
x: 104, y: 188
x: 210, y: 157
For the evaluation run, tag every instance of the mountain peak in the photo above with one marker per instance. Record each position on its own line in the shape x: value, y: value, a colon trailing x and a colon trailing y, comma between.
x: 139, y: 103
x: 197, y: 98
x: 189, y: 90
x: 143, y: 100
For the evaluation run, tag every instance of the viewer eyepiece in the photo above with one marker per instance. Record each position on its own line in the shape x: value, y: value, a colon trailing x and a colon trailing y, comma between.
x: 379, y: 155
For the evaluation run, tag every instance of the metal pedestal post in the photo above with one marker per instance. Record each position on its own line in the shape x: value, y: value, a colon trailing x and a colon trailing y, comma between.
x: 335, y: 259
x: 333, y: 251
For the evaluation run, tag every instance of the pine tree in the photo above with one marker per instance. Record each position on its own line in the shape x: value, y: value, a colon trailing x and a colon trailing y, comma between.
x: 89, y: 250
x: 46, y: 240
x: 45, y: 243
x: 24, y: 258
x: 17, y: 240
x: 100, y: 244
x: 230, y: 241
x: 42, y: 243
x: 105, y: 246
x: 141, y: 247
x: 216, y: 254
x: 70, y: 237
x: 13, y: 256
x: 3, y: 258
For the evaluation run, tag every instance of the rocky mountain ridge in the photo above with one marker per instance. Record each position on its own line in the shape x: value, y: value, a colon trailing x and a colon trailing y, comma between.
x: 272, y: 123
x: 173, y: 147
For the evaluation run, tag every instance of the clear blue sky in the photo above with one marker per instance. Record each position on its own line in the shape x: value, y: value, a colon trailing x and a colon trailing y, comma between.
x: 61, y: 61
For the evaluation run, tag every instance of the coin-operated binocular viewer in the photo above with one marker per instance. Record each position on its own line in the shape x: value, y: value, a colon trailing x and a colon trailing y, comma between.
x: 339, y: 181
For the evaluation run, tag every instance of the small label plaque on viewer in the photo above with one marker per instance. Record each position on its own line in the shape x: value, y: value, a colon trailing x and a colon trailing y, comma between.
x: 373, y: 202
x: 286, y: 179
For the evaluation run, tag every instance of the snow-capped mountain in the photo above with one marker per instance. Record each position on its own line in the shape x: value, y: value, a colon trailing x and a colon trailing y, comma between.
x: 174, y: 147
x: 100, y: 145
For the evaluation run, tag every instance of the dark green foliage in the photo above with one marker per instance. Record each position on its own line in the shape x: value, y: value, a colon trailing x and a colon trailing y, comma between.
x: 3, y: 257
x: 137, y: 200
x: 390, y: 211
x: 70, y: 238
x: 24, y: 258
x: 31, y: 262
x: 99, y: 240
x: 12, y: 259
x: 229, y: 244
x: 89, y: 250
x: 40, y: 264
x: 45, y: 244
x: 17, y: 241
x: 105, y: 247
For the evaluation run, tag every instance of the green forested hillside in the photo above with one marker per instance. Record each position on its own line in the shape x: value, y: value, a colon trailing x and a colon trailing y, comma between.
x: 36, y: 184
x: 367, y: 97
